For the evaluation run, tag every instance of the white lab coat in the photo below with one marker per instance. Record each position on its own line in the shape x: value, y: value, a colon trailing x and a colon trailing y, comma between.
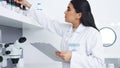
x: 84, y: 42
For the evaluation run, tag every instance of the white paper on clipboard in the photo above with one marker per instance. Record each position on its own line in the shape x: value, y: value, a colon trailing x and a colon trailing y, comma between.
x: 48, y: 50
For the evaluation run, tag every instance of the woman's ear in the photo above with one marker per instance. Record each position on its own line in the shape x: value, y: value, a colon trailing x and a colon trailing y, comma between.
x: 79, y: 15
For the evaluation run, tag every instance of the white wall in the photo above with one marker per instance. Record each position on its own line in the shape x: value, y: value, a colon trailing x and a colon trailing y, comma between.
x: 106, y: 13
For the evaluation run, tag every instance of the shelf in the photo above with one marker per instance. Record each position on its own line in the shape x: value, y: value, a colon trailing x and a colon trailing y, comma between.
x: 14, y: 19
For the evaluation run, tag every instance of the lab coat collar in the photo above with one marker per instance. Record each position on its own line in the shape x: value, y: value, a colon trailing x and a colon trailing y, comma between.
x: 80, y: 28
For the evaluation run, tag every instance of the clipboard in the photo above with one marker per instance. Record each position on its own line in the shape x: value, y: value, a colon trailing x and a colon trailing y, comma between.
x: 48, y: 49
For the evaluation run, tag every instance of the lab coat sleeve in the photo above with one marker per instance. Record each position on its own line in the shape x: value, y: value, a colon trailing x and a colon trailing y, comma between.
x: 48, y: 23
x: 93, y: 56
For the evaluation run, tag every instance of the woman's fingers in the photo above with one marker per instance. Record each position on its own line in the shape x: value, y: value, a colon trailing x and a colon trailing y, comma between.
x: 58, y: 53
x: 65, y: 55
x: 17, y: 1
x: 24, y: 2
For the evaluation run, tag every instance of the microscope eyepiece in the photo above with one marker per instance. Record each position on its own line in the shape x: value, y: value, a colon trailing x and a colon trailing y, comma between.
x: 7, y: 52
x: 22, y: 40
x: 8, y: 44
x: 1, y: 58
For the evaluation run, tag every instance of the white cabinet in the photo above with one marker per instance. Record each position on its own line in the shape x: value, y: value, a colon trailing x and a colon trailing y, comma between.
x: 14, y: 19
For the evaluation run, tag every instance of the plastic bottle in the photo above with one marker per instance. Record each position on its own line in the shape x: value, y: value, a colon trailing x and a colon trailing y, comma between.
x: 39, y: 6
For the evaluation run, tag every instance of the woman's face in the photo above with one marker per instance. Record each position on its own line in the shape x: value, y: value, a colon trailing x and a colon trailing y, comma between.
x: 71, y: 15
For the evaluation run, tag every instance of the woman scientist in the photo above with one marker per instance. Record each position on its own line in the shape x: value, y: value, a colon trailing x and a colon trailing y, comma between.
x: 81, y: 42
